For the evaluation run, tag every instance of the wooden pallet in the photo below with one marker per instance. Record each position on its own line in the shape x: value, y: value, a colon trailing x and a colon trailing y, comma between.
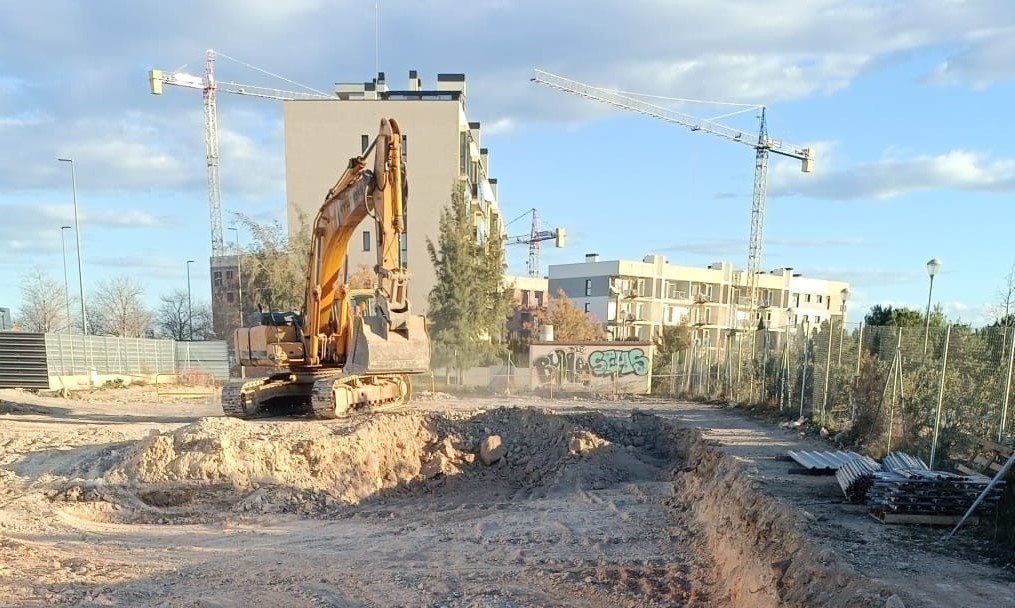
x: 987, y: 458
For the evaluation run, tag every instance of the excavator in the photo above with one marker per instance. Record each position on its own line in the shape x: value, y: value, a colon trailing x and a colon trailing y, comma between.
x: 349, y: 350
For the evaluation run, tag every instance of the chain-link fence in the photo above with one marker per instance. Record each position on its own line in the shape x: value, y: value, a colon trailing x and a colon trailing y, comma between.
x: 930, y: 391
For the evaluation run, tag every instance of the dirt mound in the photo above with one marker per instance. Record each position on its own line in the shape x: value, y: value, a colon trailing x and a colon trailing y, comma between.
x: 317, y: 469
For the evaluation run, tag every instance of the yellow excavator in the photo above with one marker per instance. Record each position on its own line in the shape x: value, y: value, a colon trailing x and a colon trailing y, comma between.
x: 349, y: 350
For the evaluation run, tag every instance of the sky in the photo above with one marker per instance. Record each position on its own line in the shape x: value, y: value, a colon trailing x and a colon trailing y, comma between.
x: 907, y: 104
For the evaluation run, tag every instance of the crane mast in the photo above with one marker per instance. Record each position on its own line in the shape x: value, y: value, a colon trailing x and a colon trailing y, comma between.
x: 763, y: 145
x: 209, y: 87
x: 534, y: 238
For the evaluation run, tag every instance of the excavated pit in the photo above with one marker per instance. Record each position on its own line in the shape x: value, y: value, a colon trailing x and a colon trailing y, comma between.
x: 669, y: 520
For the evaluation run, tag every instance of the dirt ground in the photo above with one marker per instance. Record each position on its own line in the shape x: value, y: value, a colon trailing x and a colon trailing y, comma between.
x: 116, y: 500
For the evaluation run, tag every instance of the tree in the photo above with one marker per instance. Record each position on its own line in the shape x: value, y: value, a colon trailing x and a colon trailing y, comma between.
x: 172, y: 316
x: 467, y: 304
x: 117, y: 309
x: 903, y: 317
x: 43, y: 304
x: 275, y: 264
x: 670, y: 340
x: 569, y: 323
x: 363, y: 278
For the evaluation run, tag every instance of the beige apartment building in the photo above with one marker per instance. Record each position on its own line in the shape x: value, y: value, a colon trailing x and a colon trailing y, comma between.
x: 634, y: 300
x: 442, y: 150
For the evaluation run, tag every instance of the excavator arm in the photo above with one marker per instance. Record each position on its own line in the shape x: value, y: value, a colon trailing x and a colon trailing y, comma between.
x: 331, y: 331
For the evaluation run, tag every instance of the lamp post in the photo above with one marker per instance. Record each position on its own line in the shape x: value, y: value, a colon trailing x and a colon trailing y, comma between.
x: 77, y: 237
x: 66, y: 283
x: 239, y: 275
x: 933, y: 267
x: 842, y: 330
x: 190, y: 311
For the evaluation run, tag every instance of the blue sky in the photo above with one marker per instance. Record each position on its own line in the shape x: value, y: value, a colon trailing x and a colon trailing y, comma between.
x: 907, y: 103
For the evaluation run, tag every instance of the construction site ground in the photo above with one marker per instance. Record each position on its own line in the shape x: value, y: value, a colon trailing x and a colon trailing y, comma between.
x: 113, y: 499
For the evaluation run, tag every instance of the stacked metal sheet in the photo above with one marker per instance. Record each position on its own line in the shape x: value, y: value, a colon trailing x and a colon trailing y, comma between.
x: 822, y: 462
x: 925, y: 492
x: 856, y: 476
x: 901, y: 461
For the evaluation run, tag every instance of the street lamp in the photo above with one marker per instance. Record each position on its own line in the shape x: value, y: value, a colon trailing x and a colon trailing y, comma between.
x: 66, y: 283
x: 190, y: 311
x: 77, y: 237
x: 933, y: 267
x: 239, y: 275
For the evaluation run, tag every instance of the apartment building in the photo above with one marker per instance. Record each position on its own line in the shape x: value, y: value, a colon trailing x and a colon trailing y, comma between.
x: 635, y: 299
x: 442, y: 150
x: 529, y: 295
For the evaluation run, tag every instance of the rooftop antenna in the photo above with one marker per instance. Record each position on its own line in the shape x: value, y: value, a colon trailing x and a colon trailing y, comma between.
x: 377, y: 39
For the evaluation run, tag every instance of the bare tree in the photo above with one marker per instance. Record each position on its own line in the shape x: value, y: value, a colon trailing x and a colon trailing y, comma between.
x: 1003, y: 308
x: 118, y: 309
x: 172, y: 318
x: 43, y: 304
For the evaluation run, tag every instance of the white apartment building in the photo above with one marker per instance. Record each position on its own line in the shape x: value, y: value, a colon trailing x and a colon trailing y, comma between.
x: 442, y: 150
x: 635, y: 299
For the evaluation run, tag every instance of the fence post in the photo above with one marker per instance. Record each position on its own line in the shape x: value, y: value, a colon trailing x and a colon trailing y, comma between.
x: 673, y: 374
x: 1007, y: 390
x: 803, y: 372
x: 940, y: 398
x: 828, y: 365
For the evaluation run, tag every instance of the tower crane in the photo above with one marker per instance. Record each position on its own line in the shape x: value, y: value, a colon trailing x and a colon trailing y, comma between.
x: 763, y: 145
x: 209, y: 86
x: 534, y: 238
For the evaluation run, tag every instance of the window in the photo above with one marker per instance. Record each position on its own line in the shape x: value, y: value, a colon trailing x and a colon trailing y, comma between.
x: 364, y: 142
x: 819, y: 296
x: 807, y: 298
x: 817, y: 318
x: 587, y: 307
x: 218, y: 278
x: 229, y: 274
x: 405, y: 146
x: 229, y: 297
x: 588, y: 287
x: 366, y: 240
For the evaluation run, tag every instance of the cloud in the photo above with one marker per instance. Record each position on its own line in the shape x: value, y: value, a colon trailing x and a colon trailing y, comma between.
x: 983, y: 61
x: 893, y: 177
x: 731, y: 248
x: 34, y: 229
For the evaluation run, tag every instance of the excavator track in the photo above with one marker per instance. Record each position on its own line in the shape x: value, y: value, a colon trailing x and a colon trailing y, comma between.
x: 362, y: 394
x: 331, y: 396
x: 237, y: 398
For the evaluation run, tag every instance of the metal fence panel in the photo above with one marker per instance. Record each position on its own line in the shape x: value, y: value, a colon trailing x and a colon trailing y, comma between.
x: 924, y: 389
x: 208, y: 356
x: 23, y: 360
x: 76, y: 355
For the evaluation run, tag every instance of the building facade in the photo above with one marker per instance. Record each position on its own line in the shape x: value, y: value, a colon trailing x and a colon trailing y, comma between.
x: 634, y: 300
x: 529, y: 295
x: 442, y: 149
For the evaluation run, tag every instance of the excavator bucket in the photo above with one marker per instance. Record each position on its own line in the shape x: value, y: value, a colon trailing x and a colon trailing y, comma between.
x: 376, y: 349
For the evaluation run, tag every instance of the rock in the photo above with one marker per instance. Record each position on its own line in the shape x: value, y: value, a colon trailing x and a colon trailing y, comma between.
x: 491, y: 449
x: 433, y: 467
x: 894, y: 602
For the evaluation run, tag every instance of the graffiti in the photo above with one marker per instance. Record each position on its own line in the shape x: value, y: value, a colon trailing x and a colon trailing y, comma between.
x: 568, y: 365
x: 591, y: 367
x: 619, y: 362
